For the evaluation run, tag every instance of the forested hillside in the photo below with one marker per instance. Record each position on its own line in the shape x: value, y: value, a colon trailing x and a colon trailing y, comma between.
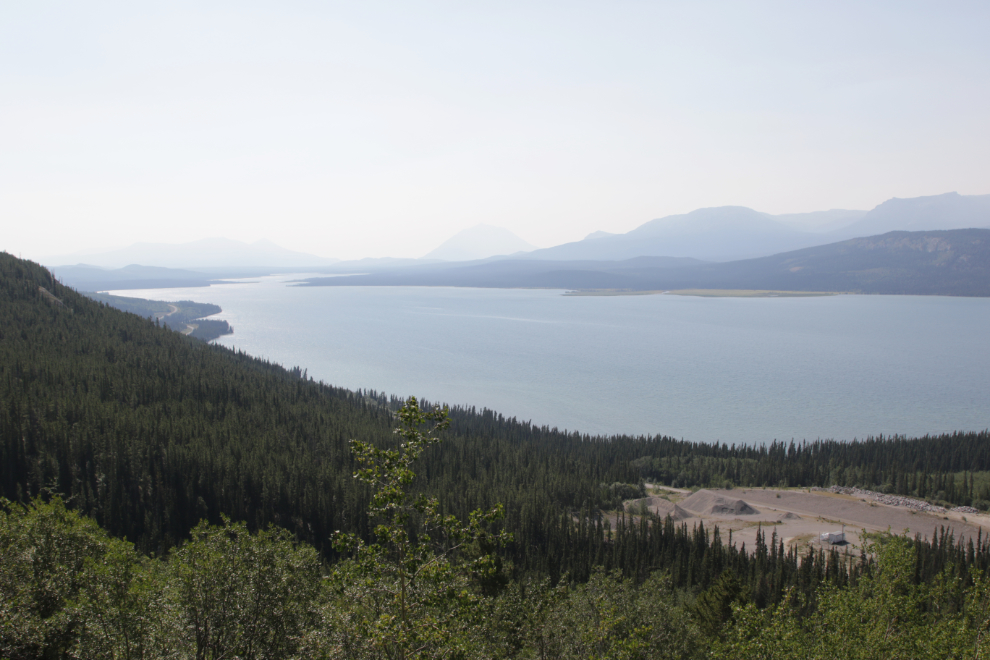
x: 148, y: 432
x: 184, y: 316
x: 68, y: 590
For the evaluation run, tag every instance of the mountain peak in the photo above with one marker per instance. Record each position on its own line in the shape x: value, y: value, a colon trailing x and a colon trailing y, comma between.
x: 932, y: 212
x: 479, y: 242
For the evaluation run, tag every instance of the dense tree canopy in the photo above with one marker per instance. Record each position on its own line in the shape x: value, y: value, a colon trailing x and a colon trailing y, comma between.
x: 148, y: 432
x: 211, y: 464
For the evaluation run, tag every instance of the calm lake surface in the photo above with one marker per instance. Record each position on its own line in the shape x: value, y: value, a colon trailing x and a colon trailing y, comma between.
x: 729, y: 369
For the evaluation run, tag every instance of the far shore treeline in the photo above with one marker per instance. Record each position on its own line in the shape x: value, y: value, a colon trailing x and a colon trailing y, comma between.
x: 148, y: 432
x: 952, y: 262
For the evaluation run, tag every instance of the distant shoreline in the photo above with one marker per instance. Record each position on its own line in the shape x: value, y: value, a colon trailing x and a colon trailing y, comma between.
x: 712, y: 293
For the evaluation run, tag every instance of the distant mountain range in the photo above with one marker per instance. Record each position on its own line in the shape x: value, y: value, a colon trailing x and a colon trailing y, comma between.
x: 948, y: 211
x: 479, y: 242
x: 715, y: 234
x: 729, y: 233
x: 950, y: 262
x: 91, y: 278
x: 215, y: 253
x: 725, y: 234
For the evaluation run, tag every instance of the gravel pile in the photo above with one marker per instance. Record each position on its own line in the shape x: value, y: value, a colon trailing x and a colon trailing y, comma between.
x: 893, y: 500
x: 714, y: 504
x: 964, y: 509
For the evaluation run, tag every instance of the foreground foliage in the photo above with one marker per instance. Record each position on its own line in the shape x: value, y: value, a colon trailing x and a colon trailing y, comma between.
x: 68, y: 590
x: 886, y: 615
x: 431, y: 587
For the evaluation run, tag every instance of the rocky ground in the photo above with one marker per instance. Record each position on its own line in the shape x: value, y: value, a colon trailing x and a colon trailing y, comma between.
x: 896, y: 500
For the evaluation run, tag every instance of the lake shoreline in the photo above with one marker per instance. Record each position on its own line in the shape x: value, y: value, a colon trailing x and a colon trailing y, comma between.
x: 711, y: 293
x: 732, y: 369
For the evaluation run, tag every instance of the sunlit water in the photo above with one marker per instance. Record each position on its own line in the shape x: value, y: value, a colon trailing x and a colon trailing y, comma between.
x: 728, y: 369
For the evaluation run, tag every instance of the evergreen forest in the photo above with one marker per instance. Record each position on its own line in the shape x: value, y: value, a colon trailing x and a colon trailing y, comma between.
x: 168, y: 498
x: 183, y: 315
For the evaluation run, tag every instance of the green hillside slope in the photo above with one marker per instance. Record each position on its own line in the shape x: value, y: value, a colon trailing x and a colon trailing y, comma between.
x: 184, y: 316
x: 149, y: 431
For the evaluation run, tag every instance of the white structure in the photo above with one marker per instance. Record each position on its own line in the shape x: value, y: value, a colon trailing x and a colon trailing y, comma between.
x: 832, y: 537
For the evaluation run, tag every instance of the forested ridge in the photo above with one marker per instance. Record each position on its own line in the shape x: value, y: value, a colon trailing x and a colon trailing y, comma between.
x: 179, y: 315
x: 148, y: 432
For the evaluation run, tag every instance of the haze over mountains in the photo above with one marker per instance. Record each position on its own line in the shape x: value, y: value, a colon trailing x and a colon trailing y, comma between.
x: 949, y: 262
x: 947, y: 211
x: 820, y: 221
x: 670, y: 253
x: 90, y: 278
x: 715, y: 234
x: 729, y: 233
x: 216, y: 253
x: 601, y: 260
x: 479, y: 242
x: 166, y: 265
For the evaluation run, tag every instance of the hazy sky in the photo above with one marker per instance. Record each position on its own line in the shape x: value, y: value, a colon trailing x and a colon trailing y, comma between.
x: 382, y: 128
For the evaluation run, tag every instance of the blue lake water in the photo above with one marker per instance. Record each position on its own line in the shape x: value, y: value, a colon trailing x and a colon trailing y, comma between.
x: 729, y: 369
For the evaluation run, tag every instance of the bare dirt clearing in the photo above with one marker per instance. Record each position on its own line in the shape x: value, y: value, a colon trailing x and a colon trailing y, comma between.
x: 658, y: 506
x: 799, y: 516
